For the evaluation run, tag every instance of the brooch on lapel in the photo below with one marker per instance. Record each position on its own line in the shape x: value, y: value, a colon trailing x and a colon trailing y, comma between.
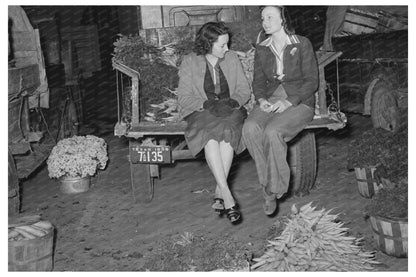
x: 293, y: 51
x: 278, y: 77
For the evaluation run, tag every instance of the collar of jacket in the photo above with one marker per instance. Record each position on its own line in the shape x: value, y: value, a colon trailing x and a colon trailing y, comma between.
x: 290, y: 39
x: 201, y: 62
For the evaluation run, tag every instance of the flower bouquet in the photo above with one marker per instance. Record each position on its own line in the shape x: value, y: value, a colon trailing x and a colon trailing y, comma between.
x: 76, y: 159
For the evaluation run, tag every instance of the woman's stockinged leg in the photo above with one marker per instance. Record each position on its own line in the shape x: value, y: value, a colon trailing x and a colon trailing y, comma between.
x: 215, y: 162
x: 227, y: 155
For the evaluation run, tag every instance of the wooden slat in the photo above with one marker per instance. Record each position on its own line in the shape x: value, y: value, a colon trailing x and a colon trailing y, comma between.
x: 24, y: 78
x: 324, y: 58
x: 151, y: 128
x: 25, y: 165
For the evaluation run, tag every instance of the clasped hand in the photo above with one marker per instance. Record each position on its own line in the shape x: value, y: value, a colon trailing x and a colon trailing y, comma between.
x: 221, y: 107
x: 278, y: 107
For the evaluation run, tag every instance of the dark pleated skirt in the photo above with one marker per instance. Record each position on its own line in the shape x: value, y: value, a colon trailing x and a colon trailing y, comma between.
x: 203, y: 126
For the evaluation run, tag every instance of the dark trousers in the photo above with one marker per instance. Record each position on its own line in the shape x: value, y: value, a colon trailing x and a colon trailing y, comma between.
x: 266, y: 135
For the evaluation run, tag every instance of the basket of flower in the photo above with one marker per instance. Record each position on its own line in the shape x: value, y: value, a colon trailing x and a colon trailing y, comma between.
x: 74, y: 160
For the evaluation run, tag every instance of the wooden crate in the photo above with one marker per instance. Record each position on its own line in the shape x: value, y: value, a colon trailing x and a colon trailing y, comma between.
x: 360, y: 22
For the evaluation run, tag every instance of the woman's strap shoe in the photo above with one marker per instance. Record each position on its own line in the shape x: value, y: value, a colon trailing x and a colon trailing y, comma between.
x: 233, y: 214
x: 218, y: 206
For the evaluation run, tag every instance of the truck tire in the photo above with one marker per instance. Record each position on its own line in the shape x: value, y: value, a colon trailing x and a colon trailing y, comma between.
x: 302, y: 162
x: 384, y: 107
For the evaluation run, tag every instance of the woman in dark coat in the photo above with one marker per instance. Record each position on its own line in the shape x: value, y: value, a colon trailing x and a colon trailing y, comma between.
x: 212, y: 89
x: 284, y: 85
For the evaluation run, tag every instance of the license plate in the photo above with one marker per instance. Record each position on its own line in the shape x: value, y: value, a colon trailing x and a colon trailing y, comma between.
x: 150, y: 154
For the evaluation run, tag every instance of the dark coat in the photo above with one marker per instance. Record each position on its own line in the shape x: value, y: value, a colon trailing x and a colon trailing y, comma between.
x: 300, y: 70
x: 191, y: 93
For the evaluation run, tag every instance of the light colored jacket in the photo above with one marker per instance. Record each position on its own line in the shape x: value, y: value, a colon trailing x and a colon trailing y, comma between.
x: 191, y: 94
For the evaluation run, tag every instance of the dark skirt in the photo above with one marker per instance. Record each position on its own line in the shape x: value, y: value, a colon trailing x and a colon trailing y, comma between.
x: 203, y: 126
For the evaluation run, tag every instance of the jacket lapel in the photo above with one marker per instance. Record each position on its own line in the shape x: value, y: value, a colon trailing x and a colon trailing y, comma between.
x: 200, y: 67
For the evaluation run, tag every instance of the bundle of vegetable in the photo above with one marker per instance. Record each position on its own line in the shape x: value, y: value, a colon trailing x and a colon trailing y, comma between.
x: 247, y: 62
x: 32, y: 231
x: 167, y: 111
x: 314, y: 241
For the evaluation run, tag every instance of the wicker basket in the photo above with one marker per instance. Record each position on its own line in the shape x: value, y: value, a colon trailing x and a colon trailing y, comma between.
x: 390, y: 235
x: 367, y: 184
x: 32, y: 254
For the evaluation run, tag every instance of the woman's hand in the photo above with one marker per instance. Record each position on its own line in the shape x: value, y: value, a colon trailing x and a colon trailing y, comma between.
x: 280, y: 106
x: 265, y: 105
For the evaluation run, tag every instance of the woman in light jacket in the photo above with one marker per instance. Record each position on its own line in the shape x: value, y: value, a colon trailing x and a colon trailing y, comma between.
x: 284, y: 84
x: 212, y: 90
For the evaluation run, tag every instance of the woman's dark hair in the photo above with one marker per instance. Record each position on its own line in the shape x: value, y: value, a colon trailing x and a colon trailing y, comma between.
x: 207, y: 35
x: 287, y: 26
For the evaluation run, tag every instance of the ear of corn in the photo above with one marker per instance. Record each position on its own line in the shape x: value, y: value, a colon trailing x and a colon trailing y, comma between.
x: 313, y: 241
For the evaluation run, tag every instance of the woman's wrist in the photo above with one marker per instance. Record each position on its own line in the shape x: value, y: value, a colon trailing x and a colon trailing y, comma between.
x: 261, y: 100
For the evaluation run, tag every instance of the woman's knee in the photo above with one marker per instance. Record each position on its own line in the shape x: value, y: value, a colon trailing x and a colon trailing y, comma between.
x: 272, y: 131
x: 251, y: 128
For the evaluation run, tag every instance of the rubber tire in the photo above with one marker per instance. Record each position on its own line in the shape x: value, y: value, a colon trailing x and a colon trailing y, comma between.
x: 384, y: 107
x: 302, y: 160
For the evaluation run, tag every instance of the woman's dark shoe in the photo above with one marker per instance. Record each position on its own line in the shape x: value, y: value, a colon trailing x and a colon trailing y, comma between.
x: 218, y: 206
x: 270, y: 203
x: 233, y: 214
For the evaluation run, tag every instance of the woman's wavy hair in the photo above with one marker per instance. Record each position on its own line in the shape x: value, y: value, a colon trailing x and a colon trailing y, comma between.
x: 287, y: 26
x: 208, y: 34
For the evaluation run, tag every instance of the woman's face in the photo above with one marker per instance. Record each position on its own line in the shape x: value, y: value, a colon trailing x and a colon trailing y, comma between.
x: 220, y: 47
x: 271, y: 20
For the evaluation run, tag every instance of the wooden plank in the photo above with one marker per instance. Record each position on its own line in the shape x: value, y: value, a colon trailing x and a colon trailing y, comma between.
x: 15, y: 135
x: 151, y: 16
x: 23, y: 78
x: 23, y: 41
x: 27, y: 164
x: 19, y: 148
x: 152, y: 128
x: 182, y: 155
x: 326, y: 57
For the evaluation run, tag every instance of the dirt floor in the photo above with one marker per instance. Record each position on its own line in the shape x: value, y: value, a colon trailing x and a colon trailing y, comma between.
x: 104, y: 230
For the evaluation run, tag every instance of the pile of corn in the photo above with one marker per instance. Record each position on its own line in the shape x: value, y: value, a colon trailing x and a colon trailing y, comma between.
x: 247, y: 62
x: 313, y: 241
x: 167, y: 111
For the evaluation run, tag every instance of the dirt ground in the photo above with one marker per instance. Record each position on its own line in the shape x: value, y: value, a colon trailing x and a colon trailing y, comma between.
x: 104, y: 230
